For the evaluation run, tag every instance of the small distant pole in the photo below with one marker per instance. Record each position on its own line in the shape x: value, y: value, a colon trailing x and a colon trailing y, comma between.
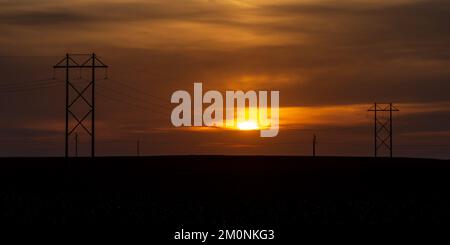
x: 390, y: 129
x: 375, y: 144
x: 138, y: 148
x: 76, y: 144
x: 314, y: 145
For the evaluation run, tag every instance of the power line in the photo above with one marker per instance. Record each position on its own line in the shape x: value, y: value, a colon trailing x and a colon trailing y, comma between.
x: 111, y: 95
x: 24, y: 83
x: 45, y: 83
x: 137, y: 90
x: 133, y: 97
x: 31, y: 85
x: 34, y: 85
x: 136, y: 106
x: 30, y: 88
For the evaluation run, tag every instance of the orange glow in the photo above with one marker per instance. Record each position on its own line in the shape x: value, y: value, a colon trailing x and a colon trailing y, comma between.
x: 247, y: 125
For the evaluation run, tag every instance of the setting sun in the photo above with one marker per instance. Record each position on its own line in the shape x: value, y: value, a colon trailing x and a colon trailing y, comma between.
x: 247, y: 125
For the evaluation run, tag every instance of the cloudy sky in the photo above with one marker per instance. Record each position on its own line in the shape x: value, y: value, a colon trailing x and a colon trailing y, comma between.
x: 330, y: 60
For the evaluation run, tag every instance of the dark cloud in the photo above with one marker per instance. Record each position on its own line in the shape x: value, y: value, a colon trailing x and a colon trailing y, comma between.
x: 99, y: 13
x: 44, y: 18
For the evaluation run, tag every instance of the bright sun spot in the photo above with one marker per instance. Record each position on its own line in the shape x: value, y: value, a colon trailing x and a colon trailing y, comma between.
x: 247, y: 125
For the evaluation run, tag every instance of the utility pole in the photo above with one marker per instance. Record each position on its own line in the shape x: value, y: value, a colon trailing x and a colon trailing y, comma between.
x: 137, y: 148
x: 382, y: 128
x: 314, y: 145
x: 76, y: 144
x: 80, y: 61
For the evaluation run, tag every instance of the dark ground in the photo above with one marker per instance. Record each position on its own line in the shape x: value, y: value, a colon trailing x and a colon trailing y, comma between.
x: 224, y: 191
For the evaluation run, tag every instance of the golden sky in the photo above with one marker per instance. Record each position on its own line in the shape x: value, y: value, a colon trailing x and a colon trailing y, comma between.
x: 329, y: 59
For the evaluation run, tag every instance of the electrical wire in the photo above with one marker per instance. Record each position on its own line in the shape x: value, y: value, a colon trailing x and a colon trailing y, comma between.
x: 112, y: 97
x: 135, y: 98
x: 136, y: 89
x: 30, y: 88
x: 26, y: 83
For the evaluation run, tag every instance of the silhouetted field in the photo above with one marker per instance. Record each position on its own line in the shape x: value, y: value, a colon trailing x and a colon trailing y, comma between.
x: 224, y: 190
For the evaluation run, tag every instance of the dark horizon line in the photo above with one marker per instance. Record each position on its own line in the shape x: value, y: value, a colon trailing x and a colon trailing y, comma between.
x: 222, y: 155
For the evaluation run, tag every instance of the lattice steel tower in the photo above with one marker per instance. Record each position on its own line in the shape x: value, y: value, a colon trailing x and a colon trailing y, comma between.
x: 382, y: 127
x: 92, y: 62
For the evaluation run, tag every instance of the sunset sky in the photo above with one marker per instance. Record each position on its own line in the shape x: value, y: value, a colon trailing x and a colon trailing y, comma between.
x: 330, y: 60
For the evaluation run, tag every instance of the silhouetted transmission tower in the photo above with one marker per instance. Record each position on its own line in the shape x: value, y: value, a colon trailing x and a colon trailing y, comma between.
x: 92, y: 62
x: 382, y: 127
